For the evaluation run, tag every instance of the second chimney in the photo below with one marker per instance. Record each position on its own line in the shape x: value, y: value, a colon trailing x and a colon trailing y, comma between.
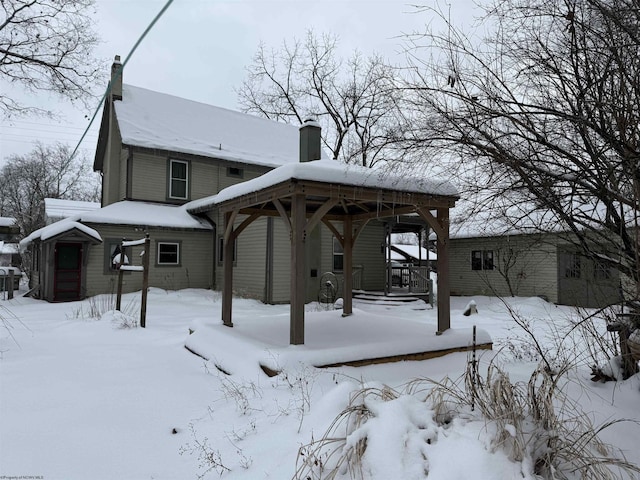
x: 310, y: 141
x: 116, y: 79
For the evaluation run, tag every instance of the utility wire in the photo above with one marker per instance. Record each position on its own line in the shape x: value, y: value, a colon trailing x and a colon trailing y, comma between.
x: 119, y: 73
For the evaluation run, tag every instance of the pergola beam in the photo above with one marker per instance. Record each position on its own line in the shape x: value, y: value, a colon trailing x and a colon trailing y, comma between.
x: 298, y: 279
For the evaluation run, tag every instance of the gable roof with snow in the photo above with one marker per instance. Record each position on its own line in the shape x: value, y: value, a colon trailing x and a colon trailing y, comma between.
x: 59, y: 228
x: 160, y: 121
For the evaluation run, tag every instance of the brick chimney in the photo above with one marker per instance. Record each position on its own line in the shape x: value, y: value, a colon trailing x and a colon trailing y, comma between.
x: 116, y: 79
x: 310, y: 143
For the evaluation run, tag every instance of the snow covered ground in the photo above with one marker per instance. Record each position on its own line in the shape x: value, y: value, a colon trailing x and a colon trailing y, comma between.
x: 82, y: 397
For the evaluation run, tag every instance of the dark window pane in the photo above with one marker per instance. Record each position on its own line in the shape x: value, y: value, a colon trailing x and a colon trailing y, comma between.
x: 178, y: 188
x: 476, y: 260
x: 338, y: 263
x: 179, y: 170
x: 168, y: 253
x: 488, y: 260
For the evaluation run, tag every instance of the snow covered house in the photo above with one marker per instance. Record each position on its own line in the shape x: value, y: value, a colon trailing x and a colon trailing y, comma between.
x: 195, y: 176
x: 494, y: 258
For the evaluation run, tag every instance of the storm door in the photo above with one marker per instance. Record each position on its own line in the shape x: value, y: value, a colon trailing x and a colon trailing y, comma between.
x: 68, y: 272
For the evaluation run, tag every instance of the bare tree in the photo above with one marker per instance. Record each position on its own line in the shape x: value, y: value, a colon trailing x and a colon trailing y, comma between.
x: 545, y: 112
x: 356, y: 100
x: 47, y: 45
x: 45, y: 172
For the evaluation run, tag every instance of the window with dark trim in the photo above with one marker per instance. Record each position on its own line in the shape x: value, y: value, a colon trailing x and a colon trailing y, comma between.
x: 338, y: 256
x: 235, y: 172
x: 482, y: 260
x: 221, y: 250
x: 178, y: 179
x: 168, y: 253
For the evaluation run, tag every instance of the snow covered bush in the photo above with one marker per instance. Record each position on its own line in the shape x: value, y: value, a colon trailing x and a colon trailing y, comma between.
x: 532, y: 429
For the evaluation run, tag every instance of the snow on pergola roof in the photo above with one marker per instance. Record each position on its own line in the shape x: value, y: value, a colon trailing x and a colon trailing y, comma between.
x: 157, y: 120
x: 331, y: 172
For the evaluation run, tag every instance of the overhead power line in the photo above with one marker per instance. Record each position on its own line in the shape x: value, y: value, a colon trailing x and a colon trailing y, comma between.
x: 119, y: 72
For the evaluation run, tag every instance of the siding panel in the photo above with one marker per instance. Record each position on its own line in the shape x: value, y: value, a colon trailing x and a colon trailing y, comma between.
x: 194, y: 272
x: 532, y: 270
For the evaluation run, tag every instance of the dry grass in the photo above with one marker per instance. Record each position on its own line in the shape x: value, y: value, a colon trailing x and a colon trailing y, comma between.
x: 534, y: 423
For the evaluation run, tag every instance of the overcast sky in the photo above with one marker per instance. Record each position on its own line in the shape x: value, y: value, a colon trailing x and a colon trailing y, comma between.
x: 199, y: 49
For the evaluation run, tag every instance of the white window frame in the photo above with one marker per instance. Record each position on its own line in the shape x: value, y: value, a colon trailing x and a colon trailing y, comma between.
x: 159, y: 247
x: 185, y: 180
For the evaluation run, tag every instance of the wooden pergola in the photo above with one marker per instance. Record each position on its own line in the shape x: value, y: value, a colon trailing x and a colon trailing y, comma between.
x: 303, y: 204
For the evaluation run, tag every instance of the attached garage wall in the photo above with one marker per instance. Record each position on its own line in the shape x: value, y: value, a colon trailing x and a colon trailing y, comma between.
x: 580, y: 283
x: 533, y: 273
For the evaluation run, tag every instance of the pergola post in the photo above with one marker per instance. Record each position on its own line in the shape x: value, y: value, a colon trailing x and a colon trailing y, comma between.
x: 444, y: 306
x: 298, y: 277
x: 347, y: 249
x: 227, y: 265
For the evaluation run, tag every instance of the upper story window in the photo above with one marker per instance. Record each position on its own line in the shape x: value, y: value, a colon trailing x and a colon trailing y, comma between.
x: 178, y: 179
x: 235, y: 172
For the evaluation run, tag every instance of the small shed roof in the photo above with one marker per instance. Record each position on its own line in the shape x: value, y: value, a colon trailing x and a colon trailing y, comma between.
x: 57, y: 229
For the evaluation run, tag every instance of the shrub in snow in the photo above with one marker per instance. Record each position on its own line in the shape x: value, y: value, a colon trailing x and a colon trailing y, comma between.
x: 120, y: 320
x: 533, y: 430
